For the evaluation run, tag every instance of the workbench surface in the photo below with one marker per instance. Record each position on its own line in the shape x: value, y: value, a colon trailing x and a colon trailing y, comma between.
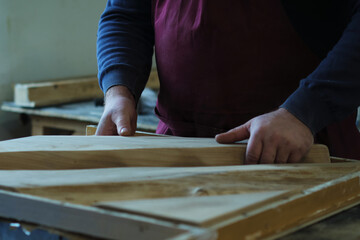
x: 344, y: 225
x: 84, y: 112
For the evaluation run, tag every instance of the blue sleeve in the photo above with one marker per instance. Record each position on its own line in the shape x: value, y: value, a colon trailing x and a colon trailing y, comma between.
x: 125, y: 45
x: 332, y: 91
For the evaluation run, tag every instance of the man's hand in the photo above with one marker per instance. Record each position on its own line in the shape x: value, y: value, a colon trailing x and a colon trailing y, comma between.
x: 276, y: 137
x: 119, y: 117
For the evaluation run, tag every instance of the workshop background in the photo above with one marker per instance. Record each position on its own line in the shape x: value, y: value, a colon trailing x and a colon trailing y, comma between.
x: 44, y: 40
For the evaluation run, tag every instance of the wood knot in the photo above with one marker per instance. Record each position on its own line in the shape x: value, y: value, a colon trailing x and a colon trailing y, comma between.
x: 200, y: 192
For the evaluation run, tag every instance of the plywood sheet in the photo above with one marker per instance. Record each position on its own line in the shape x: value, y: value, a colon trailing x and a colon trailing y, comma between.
x: 76, y: 152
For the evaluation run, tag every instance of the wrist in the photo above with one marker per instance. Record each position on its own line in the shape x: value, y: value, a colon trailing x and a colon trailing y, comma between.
x: 118, y: 91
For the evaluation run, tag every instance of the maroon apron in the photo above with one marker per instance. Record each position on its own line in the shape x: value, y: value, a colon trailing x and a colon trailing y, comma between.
x: 223, y: 63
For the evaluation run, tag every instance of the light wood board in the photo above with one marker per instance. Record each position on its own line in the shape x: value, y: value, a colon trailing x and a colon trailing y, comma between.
x: 56, y: 92
x: 249, y: 202
x: 197, y: 210
x: 76, y: 152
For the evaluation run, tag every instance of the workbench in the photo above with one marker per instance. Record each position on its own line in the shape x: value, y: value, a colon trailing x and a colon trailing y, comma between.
x: 71, y: 119
x: 344, y: 225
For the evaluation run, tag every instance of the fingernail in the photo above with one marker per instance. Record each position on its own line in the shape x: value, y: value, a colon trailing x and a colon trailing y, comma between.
x: 124, y: 131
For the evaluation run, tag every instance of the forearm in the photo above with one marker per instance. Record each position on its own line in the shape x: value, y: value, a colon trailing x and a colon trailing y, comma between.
x: 125, y: 45
x: 331, y: 92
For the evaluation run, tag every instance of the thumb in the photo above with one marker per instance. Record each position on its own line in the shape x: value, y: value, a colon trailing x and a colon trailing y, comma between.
x: 234, y: 135
x: 124, y: 126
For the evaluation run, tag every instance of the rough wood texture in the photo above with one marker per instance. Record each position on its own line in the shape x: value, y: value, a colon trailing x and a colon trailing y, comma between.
x: 288, y: 196
x: 56, y: 92
x: 76, y: 152
x: 344, y: 225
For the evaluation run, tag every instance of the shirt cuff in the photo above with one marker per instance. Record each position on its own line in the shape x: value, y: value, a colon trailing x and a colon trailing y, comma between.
x: 120, y: 76
x: 309, y: 108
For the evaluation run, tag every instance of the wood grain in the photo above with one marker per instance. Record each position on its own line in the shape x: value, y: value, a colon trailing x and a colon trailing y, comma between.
x: 250, y: 202
x: 90, y: 186
x: 202, y: 211
x: 89, y: 220
x: 77, y: 152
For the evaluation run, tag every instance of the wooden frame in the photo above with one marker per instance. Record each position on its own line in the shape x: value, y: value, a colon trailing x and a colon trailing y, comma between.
x: 220, y: 202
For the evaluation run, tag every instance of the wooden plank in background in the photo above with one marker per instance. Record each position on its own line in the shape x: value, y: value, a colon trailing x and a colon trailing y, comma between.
x: 65, y: 91
x: 76, y: 152
x: 57, y: 92
x: 153, y: 81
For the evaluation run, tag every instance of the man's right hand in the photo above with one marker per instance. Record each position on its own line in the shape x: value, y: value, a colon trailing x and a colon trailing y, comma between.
x: 119, y: 116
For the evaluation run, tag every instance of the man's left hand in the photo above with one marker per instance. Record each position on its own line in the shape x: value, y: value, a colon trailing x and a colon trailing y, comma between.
x: 275, y: 137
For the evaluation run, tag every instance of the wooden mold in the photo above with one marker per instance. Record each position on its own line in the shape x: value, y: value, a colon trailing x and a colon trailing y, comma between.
x: 162, y: 202
x: 228, y: 202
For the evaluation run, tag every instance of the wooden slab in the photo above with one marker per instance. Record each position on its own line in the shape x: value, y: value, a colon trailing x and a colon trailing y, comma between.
x: 56, y: 92
x: 287, y: 196
x: 91, y: 221
x: 76, y: 152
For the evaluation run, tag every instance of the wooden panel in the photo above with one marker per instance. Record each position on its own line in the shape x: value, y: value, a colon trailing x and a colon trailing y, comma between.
x: 96, y: 185
x: 71, y: 152
x: 91, y: 221
x: 280, y: 197
x: 57, y: 92
x: 202, y: 211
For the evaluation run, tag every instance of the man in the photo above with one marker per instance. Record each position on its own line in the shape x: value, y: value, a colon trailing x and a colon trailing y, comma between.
x: 236, y: 65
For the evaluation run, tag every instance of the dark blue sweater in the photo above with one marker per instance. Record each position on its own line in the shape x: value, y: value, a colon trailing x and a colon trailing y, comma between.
x: 331, y: 28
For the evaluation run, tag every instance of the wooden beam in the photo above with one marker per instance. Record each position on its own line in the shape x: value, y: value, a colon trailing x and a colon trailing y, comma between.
x: 57, y: 92
x: 64, y: 91
x: 76, y: 152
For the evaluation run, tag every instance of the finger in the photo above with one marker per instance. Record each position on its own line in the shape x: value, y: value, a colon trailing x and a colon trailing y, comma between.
x: 282, y: 155
x: 295, y: 157
x: 124, y: 127
x: 253, y: 150
x: 268, y: 153
x: 234, y: 135
x: 106, y: 128
x: 134, y: 124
